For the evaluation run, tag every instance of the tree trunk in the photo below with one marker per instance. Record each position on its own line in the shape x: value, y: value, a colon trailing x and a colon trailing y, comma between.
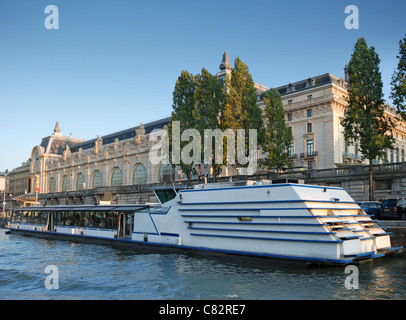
x: 371, y: 182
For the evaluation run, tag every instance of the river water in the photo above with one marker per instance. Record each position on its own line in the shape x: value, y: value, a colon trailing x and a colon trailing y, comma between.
x: 92, y: 271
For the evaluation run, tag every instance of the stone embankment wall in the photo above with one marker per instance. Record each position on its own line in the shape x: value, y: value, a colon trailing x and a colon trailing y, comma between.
x: 398, y: 230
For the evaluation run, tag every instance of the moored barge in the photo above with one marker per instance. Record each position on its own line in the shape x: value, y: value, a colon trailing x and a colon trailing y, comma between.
x: 295, y: 222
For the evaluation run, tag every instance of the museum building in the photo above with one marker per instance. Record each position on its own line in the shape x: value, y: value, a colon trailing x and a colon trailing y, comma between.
x: 116, y: 167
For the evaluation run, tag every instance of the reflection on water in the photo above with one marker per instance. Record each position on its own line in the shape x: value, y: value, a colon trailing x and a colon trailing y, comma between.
x: 89, y: 271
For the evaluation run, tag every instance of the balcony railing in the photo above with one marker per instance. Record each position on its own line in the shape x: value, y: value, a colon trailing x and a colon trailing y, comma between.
x: 305, y: 155
x: 352, y: 155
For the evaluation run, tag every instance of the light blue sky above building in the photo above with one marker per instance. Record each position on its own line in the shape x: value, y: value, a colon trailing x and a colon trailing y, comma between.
x: 113, y: 64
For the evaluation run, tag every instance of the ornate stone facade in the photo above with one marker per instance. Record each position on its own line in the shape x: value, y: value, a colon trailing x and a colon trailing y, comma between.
x: 116, y: 160
x: 314, y: 109
x: 117, y: 167
x: 18, y: 179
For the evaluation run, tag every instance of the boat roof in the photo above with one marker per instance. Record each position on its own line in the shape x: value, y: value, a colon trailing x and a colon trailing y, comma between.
x: 174, y: 187
x: 113, y: 207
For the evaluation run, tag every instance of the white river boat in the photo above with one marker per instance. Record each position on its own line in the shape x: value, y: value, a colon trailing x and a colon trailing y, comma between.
x: 292, y: 222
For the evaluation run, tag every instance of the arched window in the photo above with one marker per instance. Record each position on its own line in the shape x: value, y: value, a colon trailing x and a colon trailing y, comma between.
x: 97, y: 180
x: 51, y: 185
x: 116, y: 177
x: 64, y: 184
x: 165, y: 173
x: 140, y: 175
x: 80, y: 182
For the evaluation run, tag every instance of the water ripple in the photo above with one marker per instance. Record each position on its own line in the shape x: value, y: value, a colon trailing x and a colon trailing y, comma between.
x: 88, y: 271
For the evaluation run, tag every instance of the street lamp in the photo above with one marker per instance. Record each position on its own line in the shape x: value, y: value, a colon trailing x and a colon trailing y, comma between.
x: 4, y: 203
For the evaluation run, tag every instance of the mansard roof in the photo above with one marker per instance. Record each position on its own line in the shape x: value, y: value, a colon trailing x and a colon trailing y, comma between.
x: 57, y: 144
x: 121, y: 135
x: 307, y: 84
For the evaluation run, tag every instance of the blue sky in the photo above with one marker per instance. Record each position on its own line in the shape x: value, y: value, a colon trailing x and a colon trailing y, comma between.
x: 112, y: 64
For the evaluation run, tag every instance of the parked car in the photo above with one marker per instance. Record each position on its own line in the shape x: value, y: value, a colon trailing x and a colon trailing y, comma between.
x: 401, y: 209
x: 393, y: 209
x: 372, y: 208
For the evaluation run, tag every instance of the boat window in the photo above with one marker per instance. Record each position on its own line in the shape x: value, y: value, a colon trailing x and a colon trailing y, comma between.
x: 246, y: 219
x: 27, y: 217
x: 99, y: 219
x: 40, y: 217
x: 165, y: 195
x: 16, y: 217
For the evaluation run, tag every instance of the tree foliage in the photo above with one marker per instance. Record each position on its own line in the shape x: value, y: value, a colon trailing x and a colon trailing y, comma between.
x: 209, y: 104
x: 183, y: 111
x: 201, y: 103
x: 240, y: 107
x: 398, y: 83
x: 278, y: 136
x: 241, y: 110
x: 365, y: 121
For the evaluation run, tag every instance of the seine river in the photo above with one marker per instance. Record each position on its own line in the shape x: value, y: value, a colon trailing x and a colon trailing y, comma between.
x: 33, y: 268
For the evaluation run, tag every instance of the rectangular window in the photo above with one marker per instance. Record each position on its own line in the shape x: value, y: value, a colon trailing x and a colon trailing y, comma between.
x: 310, y: 164
x: 310, y: 148
x: 309, y: 98
x: 290, y: 150
x: 309, y: 113
x: 289, y: 117
x: 309, y: 128
x: 290, y: 102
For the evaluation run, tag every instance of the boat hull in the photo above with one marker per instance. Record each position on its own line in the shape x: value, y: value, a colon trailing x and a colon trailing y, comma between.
x: 311, y: 224
x: 151, y: 247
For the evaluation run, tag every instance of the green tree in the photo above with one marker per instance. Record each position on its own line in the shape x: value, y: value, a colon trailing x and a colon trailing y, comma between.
x: 365, y: 121
x: 209, y: 103
x: 278, y: 136
x: 398, y: 94
x: 183, y: 106
x: 240, y: 108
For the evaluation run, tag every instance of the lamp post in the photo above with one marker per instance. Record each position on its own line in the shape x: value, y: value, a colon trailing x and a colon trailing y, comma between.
x: 4, y: 203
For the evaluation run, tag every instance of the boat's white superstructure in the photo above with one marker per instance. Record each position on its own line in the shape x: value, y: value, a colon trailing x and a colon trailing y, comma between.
x: 289, y: 221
